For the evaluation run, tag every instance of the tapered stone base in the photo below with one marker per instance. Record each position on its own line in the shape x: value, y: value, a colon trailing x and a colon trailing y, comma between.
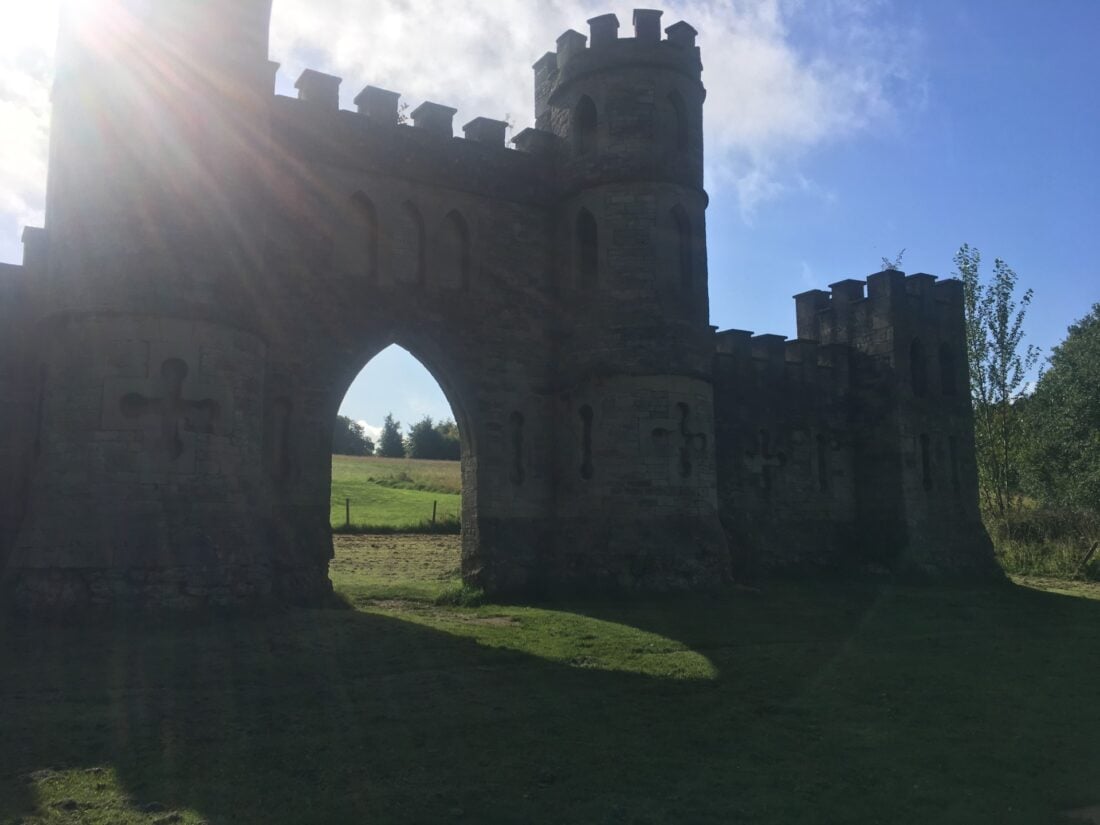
x: 672, y: 553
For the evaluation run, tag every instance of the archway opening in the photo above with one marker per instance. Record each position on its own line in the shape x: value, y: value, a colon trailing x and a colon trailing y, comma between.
x: 397, y: 452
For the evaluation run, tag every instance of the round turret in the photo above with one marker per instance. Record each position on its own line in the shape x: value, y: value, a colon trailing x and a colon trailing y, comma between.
x: 627, y: 118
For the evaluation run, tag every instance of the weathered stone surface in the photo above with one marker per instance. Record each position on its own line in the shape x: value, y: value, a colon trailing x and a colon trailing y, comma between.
x: 221, y: 263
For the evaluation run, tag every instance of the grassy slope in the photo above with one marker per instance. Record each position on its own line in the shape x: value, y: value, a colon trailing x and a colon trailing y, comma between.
x: 394, y: 492
x: 801, y: 703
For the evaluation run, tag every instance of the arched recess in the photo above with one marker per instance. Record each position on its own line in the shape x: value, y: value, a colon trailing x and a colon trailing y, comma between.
x: 918, y: 368
x: 681, y: 131
x: 453, y: 252
x: 586, y: 249
x: 367, y: 220
x: 585, y: 126
x: 681, y: 225
x: 411, y: 265
x: 948, y: 370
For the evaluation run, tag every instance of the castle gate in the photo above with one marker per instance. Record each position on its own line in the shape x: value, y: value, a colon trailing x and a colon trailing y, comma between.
x: 218, y: 263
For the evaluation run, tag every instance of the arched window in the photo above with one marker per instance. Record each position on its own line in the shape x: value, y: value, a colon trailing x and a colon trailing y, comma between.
x: 584, y: 126
x: 682, y: 225
x: 368, y: 227
x: 918, y: 368
x: 412, y: 262
x: 454, y: 252
x: 681, y: 132
x: 587, y: 249
x: 948, y: 377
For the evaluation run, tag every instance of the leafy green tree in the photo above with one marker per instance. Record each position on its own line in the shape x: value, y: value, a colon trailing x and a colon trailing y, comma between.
x: 452, y: 444
x: 349, y: 438
x: 999, y: 366
x: 423, y: 441
x: 427, y: 439
x: 1062, y: 459
x: 390, y: 443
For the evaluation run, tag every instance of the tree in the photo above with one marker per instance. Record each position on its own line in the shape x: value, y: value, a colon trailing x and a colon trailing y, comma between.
x: 894, y: 264
x: 452, y: 443
x: 349, y: 438
x: 1062, y: 416
x: 433, y: 441
x: 390, y: 443
x: 998, y: 372
x: 423, y: 441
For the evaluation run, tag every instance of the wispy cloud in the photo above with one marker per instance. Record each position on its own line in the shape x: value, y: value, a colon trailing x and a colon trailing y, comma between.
x: 26, y: 72
x: 784, y: 77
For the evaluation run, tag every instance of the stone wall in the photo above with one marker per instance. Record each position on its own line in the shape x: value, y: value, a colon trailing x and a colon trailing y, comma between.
x: 222, y: 262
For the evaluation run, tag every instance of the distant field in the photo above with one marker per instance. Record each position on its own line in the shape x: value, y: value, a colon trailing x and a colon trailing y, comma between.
x: 390, y: 494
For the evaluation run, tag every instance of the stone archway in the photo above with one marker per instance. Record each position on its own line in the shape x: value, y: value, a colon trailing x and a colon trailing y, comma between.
x: 219, y: 269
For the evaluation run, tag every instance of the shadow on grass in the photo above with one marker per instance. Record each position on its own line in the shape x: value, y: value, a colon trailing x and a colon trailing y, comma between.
x: 830, y: 704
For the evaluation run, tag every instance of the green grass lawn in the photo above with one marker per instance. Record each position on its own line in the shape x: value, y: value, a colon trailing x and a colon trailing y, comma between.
x: 795, y: 703
x: 395, y: 493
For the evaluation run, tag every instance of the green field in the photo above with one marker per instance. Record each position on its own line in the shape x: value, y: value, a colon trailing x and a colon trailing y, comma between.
x: 395, y: 494
x: 795, y: 703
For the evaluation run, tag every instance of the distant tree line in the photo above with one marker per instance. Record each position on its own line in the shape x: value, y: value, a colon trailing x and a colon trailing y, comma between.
x: 426, y: 439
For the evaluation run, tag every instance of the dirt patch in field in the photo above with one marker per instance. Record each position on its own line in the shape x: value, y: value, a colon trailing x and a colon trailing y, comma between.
x: 398, y: 557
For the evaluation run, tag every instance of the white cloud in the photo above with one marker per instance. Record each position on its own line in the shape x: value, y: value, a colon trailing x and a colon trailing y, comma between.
x: 783, y: 76
x: 26, y: 70
x: 372, y: 431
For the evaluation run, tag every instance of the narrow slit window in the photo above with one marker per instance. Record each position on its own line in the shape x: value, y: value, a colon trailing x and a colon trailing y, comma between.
x: 368, y: 227
x: 953, y: 449
x: 587, y: 249
x: 926, y: 461
x: 586, y: 442
x: 515, y: 425
x: 822, y: 463
x: 585, y: 124
x: 948, y: 375
x: 918, y: 368
x: 682, y: 226
x: 681, y: 132
x: 454, y: 252
x: 414, y: 268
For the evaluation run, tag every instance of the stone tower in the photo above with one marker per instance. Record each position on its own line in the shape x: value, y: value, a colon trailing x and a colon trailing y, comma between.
x: 147, y: 477
x: 631, y: 274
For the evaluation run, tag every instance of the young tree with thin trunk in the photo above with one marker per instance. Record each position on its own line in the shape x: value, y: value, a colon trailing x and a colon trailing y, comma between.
x: 999, y: 368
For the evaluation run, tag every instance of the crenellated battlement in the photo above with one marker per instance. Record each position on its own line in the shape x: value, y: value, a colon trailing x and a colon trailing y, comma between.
x: 851, y: 308
x: 775, y: 364
x: 602, y: 50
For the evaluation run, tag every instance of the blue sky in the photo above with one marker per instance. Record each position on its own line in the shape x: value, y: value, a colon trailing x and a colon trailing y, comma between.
x: 838, y: 132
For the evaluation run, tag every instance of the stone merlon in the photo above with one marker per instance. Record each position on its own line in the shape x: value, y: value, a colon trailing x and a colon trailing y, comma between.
x: 319, y: 88
x: 434, y: 118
